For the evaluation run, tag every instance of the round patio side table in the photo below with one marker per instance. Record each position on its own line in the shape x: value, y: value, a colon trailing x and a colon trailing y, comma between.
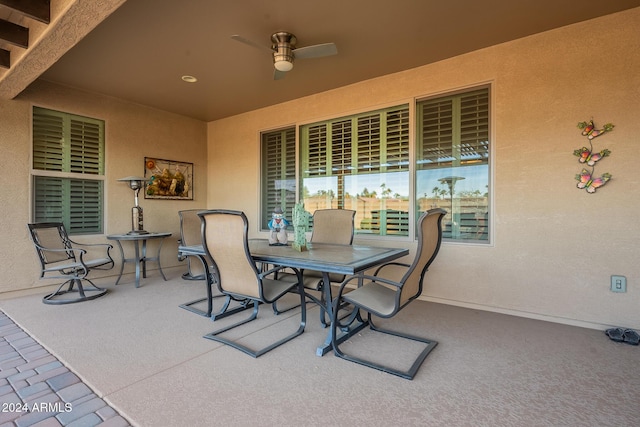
x: 140, y: 258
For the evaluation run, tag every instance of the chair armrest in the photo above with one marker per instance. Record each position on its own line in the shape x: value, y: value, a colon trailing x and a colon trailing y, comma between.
x: 398, y: 264
x: 376, y: 279
x: 79, y: 251
x: 95, y: 245
x: 62, y: 265
x: 106, y: 246
x: 362, y: 277
x: 263, y: 274
x: 94, y: 253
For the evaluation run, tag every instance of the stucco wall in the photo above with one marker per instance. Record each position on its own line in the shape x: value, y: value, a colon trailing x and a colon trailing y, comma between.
x: 554, y: 246
x: 131, y: 132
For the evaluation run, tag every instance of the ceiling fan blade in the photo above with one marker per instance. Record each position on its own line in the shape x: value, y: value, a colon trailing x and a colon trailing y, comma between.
x: 279, y: 75
x: 316, y: 51
x: 250, y: 43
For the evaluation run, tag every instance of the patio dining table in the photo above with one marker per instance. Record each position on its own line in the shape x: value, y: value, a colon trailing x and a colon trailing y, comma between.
x: 323, y: 257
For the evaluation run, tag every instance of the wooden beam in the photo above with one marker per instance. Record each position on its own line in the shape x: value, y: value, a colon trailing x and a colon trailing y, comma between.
x: 40, y: 10
x: 5, y: 59
x: 14, y: 33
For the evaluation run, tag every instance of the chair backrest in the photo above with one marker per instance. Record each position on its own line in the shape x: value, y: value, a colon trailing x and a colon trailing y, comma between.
x: 51, y: 235
x: 333, y: 226
x: 429, y: 240
x: 191, y: 235
x: 190, y: 224
x: 224, y: 236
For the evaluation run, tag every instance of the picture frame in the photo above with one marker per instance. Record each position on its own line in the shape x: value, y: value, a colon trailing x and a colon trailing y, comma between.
x: 168, y: 179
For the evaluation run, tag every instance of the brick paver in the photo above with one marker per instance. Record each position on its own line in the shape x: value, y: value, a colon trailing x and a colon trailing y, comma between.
x: 37, y: 390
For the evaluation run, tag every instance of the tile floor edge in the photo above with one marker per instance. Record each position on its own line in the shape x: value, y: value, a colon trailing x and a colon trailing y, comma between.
x: 23, y: 398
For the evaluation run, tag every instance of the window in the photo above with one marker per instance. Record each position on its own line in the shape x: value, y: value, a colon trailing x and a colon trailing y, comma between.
x: 68, y: 170
x: 361, y: 163
x: 278, y: 180
x: 452, y: 162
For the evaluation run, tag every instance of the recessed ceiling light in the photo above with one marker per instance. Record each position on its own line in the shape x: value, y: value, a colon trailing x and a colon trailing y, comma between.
x: 189, y: 79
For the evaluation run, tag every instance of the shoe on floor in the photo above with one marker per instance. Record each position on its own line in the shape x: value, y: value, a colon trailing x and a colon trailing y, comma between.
x: 631, y: 337
x: 616, y: 334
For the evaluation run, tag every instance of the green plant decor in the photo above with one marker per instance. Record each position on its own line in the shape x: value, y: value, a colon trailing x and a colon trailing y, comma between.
x: 300, y: 225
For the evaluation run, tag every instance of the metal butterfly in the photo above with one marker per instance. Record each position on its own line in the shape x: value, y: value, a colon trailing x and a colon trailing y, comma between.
x: 586, y: 181
x: 586, y: 156
x: 589, y: 130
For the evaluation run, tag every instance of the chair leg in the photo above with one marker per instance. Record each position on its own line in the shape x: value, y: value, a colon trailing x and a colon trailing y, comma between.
x: 188, y: 276
x: 407, y: 374
x: 224, y: 311
x: 215, y: 335
x: 83, y: 294
x: 209, y: 299
x: 274, y: 305
x: 277, y: 311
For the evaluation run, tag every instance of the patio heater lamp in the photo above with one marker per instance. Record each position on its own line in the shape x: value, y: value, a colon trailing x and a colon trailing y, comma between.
x: 455, y: 216
x: 136, y: 183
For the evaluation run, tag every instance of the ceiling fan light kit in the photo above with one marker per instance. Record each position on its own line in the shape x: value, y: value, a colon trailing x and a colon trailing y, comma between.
x: 282, y: 64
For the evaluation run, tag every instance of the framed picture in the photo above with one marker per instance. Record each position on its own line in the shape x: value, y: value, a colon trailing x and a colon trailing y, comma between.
x: 168, y: 179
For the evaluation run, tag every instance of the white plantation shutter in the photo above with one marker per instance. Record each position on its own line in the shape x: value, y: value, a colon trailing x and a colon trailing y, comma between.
x: 278, y: 159
x: 397, y: 146
x: 474, y: 126
x: 381, y: 143
x: 48, y: 141
x: 71, y: 150
x: 340, y: 160
x: 315, y: 163
x: 85, y: 206
x: 437, y: 133
x: 368, y: 144
x: 48, y: 199
x: 454, y: 130
x: 86, y: 147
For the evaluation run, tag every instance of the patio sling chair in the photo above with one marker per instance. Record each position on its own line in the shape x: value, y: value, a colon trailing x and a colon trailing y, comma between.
x: 60, y: 257
x: 237, y: 275
x: 191, y: 235
x: 329, y: 226
x: 384, y: 298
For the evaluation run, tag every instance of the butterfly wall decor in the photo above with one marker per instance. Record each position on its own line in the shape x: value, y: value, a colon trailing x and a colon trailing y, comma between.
x: 586, y: 156
x: 586, y: 179
x: 589, y: 130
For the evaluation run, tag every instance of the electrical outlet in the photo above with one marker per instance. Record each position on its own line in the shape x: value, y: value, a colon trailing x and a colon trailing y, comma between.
x: 618, y: 284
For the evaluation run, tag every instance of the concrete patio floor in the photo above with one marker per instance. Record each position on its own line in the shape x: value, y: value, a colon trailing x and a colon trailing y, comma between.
x: 145, y: 357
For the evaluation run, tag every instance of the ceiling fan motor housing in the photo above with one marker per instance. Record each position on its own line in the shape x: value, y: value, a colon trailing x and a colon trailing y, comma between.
x: 283, y: 45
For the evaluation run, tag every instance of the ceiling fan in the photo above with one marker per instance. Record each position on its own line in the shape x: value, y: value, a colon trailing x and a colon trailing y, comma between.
x: 284, y: 51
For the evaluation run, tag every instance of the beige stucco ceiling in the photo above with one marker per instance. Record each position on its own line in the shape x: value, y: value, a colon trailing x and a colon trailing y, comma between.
x: 141, y: 50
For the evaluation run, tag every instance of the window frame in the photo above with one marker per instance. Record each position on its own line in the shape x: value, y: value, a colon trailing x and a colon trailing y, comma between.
x: 488, y: 218
x: 266, y: 206
x: 80, y: 150
x: 413, y: 144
